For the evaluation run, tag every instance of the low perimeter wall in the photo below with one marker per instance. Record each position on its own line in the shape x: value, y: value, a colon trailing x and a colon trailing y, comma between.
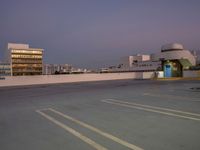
x: 191, y: 73
x: 50, y: 79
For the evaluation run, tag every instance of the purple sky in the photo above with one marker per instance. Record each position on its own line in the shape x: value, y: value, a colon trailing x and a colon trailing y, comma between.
x: 96, y: 33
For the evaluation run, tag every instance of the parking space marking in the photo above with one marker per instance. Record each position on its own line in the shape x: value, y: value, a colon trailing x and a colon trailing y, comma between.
x: 189, y: 99
x: 153, y: 109
x: 107, y: 135
x: 72, y: 131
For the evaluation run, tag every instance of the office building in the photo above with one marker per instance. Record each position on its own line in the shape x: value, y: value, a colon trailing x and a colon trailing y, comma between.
x: 24, y: 60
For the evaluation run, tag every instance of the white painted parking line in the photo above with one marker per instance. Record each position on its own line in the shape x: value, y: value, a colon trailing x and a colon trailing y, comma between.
x: 154, y: 107
x: 72, y: 131
x: 173, y: 97
x: 107, y: 135
x: 150, y: 109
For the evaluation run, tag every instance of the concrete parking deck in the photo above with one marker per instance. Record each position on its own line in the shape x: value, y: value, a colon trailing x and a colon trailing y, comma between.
x: 106, y: 115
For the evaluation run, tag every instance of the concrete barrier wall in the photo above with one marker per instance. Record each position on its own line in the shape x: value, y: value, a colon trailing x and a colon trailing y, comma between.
x: 50, y: 79
x: 148, y: 75
x: 191, y: 73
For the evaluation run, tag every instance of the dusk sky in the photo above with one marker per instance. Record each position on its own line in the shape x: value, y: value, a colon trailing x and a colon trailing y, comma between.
x: 97, y: 33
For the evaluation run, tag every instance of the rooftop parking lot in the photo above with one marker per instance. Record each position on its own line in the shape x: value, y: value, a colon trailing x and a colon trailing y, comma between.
x: 106, y: 115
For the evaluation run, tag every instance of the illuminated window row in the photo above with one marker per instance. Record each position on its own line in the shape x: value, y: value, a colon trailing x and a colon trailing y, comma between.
x: 26, y: 65
x: 26, y: 56
x: 27, y: 51
x: 16, y: 69
x: 27, y: 61
x: 26, y: 70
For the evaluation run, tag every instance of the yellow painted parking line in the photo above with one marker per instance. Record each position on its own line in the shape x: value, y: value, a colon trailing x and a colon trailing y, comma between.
x: 154, y: 107
x: 107, y: 135
x: 151, y: 110
x: 189, y: 99
x: 72, y: 131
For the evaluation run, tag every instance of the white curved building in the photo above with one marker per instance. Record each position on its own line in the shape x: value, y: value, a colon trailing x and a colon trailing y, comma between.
x: 172, y: 46
x: 174, y: 59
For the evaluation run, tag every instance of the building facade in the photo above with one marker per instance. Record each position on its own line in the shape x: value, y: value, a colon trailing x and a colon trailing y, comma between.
x: 129, y: 61
x: 24, y: 60
x: 139, y: 63
x: 175, y: 58
x: 172, y: 60
x: 5, y: 69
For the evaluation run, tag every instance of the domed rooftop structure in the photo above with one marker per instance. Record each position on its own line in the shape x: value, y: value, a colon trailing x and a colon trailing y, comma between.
x: 172, y: 47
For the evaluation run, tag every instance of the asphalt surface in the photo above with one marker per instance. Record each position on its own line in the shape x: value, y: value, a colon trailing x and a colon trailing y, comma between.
x: 113, y: 115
